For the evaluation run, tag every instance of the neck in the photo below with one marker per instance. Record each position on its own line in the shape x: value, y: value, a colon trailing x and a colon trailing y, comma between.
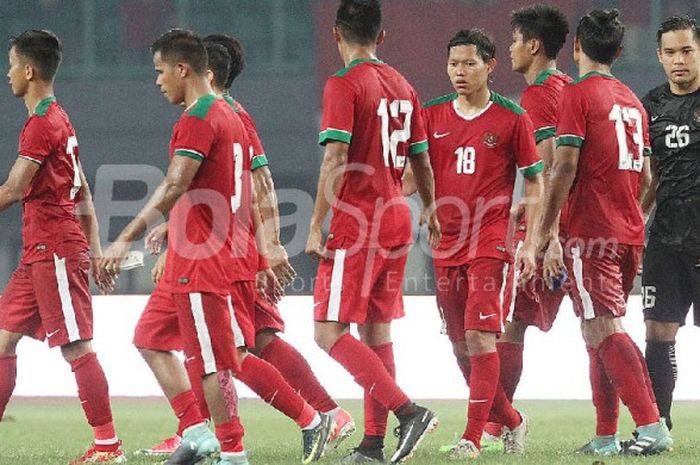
x: 35, y: 94
x: 587, y: 65
x: 351, y: 52
x: 537, y: 67
x: 199, y: 87
x: 689, y: 88
x: 474, y: 102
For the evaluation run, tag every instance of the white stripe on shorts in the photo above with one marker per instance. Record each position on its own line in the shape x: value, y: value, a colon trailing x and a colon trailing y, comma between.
x: 336, y: 285
x: 203, y: 336
x: 588, y: 311
x: 66, y: 299
x: 238, y: 338
x: 514, y: 286
x: 506, y: 267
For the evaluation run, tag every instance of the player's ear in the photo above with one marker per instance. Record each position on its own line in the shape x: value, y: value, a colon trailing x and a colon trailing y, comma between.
x: 618, y: 53
x: 182, y: 70
x: 29, y: 72
x: 381, y: 37
x: 210, y: 77
x: 534, y: 45
x: 658, y: 54
x: 491, y: 64
x: 336, y: 34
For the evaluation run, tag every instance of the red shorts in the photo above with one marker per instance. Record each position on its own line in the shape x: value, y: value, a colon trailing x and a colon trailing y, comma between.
x: 363, y: 287
x: 50, y: 299
x: 243, y: 303
x: 602, y: 277
x: 158, y: 328
x: 472, y: 296
x: 267, y: 316
x: 206, y: 328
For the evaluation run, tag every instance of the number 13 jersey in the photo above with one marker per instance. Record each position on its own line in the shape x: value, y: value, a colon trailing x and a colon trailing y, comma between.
x: 371, y: 107
x: 474, y: 160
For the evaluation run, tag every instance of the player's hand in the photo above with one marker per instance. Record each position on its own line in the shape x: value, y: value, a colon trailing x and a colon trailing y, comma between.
x: 104, y: 282
x: 279, y: 262
x: 314, y: 245
x: 429, y: 217
x: 156, y: 237
x: 158, y: 269
x: 110, y: 263
x: 526, y: 263
x: 268, y: 286
x: 553, y: 266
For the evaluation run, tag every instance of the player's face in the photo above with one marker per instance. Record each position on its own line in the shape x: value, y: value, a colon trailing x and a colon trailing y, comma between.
x: 520, y: 57
x: 169, y: 80
x: 467, y: 70
x: 679, y: 55
x: 16, y: 75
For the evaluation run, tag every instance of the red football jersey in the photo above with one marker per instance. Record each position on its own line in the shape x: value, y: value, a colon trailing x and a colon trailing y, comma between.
x: 372, y: 107
x: 50, y: 225
x: 475, y: 159
x: 603, y: 117
x: 199, y: 249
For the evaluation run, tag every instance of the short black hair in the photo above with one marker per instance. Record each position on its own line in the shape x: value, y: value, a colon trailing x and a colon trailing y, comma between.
x: 542, y: 22
x: 359, y: 21
x: 678, y: 23
x: 476, y: 37
x: 236, y: 55
x: 219, y: 63
x: 42, y: 48
x: 182, y: 46
x: 600, y: 33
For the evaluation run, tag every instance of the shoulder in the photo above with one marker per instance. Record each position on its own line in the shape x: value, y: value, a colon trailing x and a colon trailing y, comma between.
x: 202, y: 107
x: 655, y: 96
x: 442, y: 100
x: 506, y: 104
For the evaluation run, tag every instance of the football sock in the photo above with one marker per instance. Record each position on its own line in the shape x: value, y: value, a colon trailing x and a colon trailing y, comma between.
x: 298, y: 374
x: 264, y: 379
x: 645, y: 371
x: 661, y: 359
x: 93, y: 392
x: 186, y: 410
x: 376, y: 416
x: 605, y: 399
x: 626, y: 373
x: 8, y: 378
x: 483, y: 383
x: 511, y: 357
x: 230, y: 436
x: 504, y: 411
x: 372, y: 442
x: 369, y: 372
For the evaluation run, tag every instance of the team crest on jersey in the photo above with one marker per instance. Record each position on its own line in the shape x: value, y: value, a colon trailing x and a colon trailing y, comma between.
x: 490, y: 140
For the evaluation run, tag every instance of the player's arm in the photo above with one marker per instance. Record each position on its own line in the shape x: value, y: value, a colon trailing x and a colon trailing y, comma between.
x: 18, y: 181
x: 409, y: 182
x: 332, y: 169
x: 177, y: 180
x: 422, y: 174
x: 267, y: 283
x: 650, y: 183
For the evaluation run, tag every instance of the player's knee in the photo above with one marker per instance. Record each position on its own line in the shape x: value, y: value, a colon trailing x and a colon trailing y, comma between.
x: 480, y: 342
x: 515, y: 332
x: 242, y: 353
x: 263, y: 339
x: 8, y: 342
x: 661, y: 331
x: 460, y: 351
x: 75, y: 350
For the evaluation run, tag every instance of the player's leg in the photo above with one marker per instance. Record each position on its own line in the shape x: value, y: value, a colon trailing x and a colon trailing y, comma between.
x: 510, y: 351
x: 8, y: 367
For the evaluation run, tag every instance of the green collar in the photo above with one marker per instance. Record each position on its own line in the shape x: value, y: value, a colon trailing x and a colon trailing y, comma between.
x: 544, y: 75
x: 593, y: 73
x: 43, y: 106
x: 354, y: 63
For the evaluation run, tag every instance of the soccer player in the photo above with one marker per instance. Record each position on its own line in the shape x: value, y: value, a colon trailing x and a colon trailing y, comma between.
x: 478, y: 139
x: 671, y: 277
x: 197, y: 192
x: 539, y: 33
x: 599, y: 164
x: 48, y: 296
x: 371, y: 126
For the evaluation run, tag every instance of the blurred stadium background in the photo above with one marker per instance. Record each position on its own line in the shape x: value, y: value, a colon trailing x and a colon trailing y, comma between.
x: 123, y: 124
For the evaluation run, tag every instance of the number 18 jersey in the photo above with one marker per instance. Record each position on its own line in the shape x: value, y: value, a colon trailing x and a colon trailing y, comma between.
x: 603, y: 117
x: 371, y: 107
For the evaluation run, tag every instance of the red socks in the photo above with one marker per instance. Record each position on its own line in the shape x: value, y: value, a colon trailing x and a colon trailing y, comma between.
x: 369, y: 372
x: 194, y: 373
x: 93, y: 392
x: 376, y: 416
x: 511, y: 357
x: 230, y: 435
x: 186, y: 410
x: 482, y: 383
x: 8, y: 377
x: 268, y: 383
x: 298, y: 374
x: 605, y: 399
x: 619, y: 356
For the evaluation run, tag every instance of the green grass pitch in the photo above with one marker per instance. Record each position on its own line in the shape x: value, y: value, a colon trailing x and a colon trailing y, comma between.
x: 53, y: 431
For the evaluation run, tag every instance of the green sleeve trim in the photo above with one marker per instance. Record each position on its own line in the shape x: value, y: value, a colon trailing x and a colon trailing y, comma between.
x: 570, y: 140
x: 545, y: 133
x: 440, y: 100
x: 418, y: 147
x: 532, y: 170
x: 647, y: 151
x: 506, y: 103
x: 44, y: 105
x: 258, y: 162
x: 334, y: 135
x: 189, y: 154
x: 202, y: 106
x: 32, y: 159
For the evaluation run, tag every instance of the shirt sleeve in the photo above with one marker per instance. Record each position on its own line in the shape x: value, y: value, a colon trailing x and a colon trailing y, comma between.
x: 542, y: 110
x: 35, y: 142
x: 529, y: 162
x: 419, y: 137
x: 194, y: 138
x: 338, y: 111
x: 571, y: 120
x: 259, y: 158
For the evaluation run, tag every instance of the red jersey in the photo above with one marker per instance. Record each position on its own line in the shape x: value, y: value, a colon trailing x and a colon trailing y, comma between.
x: 50, y: 226
x: 199, y: 250
x: 474, y: 160
x: 371, y: 107
x: 603, y: 117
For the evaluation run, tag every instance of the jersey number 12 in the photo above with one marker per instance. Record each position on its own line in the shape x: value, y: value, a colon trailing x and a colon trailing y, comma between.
x: 391, y: 141
x: 628, y: 117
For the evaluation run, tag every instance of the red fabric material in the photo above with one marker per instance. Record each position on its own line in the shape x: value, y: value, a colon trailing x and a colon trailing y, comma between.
x: 93, y: 390
x: 376, y: 416
x: 230, y: 435
x: 482, y: 390
x: 194, y: 373
x: 186, y: 410
x: 8, y: 377
x: 106, y: 433
x: 605, y: 399
x: 511, y: 357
